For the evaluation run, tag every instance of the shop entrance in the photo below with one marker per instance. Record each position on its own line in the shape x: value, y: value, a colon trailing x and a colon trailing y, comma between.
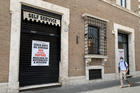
x: 123, y: 46
x: 39, y: 47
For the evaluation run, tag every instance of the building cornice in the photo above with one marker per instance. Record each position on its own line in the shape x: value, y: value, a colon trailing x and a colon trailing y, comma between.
x: 121, y: 8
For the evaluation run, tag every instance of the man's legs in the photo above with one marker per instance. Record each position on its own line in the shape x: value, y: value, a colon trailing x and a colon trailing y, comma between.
x: 121, y: 79
x: 126, y: 80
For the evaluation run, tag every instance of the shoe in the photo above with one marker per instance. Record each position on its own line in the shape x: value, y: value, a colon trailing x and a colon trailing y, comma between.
x: 129, y: 85
x: 121, y: 87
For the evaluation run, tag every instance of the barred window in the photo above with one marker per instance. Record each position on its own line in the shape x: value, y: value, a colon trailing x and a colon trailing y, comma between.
x: 93, y: 40
x: 95, y: 36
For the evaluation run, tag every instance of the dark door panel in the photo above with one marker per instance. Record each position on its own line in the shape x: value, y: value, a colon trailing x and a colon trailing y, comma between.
x: 33, y: 75
x: 123, y: 44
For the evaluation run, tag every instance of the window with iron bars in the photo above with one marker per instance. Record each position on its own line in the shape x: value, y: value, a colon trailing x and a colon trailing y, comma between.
x: 95, y: 36
x: 93, y: 40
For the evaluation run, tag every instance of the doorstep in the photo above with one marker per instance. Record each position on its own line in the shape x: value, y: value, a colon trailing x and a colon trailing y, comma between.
x: 39, y: 86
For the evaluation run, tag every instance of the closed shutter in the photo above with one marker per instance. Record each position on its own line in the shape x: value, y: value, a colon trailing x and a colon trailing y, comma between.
x: 34, y: 75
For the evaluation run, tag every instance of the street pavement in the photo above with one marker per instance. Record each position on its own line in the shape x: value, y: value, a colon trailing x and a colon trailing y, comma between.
x: 100, y: 87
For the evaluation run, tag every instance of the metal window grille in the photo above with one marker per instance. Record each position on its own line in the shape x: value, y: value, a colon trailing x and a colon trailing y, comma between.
x: 96, y: 27
x: 93, y: 40
x: 95, y: 74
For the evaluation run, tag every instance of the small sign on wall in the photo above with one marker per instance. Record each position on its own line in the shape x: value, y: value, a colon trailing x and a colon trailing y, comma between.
x: 40, y: 53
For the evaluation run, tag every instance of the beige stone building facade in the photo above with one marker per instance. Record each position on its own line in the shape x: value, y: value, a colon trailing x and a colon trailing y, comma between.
x: 85, y: 39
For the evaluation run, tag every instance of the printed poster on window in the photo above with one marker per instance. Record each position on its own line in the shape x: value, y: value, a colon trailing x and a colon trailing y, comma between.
x: 120, y: 54
x: 40, y: 53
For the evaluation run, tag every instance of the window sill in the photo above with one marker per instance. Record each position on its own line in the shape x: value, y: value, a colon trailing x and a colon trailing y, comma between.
x: 96, y: 56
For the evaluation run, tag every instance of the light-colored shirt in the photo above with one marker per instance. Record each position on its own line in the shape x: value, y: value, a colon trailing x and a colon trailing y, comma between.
x: 123, y: 65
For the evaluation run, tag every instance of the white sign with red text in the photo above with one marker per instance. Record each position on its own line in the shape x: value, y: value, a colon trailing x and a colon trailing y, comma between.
x: 40, y: 53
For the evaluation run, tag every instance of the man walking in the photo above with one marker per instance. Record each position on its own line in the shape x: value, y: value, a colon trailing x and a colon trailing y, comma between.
x: 123, y: 67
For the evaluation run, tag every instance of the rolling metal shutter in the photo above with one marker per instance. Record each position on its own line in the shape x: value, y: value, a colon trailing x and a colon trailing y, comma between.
x: 32, y: 30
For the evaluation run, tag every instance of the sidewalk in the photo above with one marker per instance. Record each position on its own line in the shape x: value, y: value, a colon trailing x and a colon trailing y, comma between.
x: 101, y: 87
